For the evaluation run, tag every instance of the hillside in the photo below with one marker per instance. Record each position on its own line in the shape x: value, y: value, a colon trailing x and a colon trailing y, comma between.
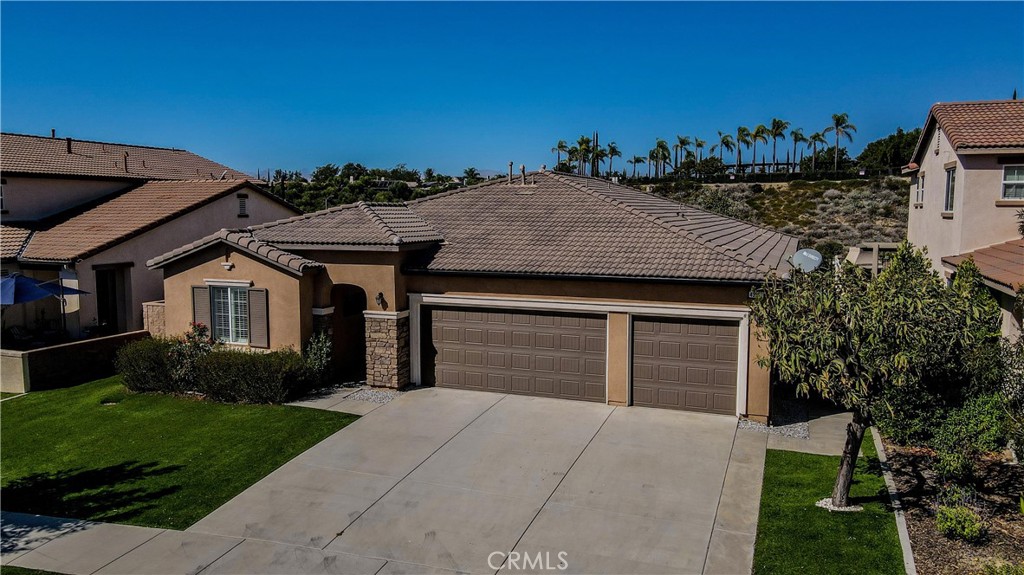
x: 823, y: 214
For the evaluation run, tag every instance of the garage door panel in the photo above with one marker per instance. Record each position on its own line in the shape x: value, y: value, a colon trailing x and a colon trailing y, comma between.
x: 686, y: 364
x: 532, y: 353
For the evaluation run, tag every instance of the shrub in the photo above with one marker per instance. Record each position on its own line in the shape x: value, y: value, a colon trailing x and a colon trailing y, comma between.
x: 1002, y: 568
x: 186, y: 353
x: 319, y: 359
x: 233, y: 376
x: 976, y: 428
x: 959, y: 522
x: 143, y: 365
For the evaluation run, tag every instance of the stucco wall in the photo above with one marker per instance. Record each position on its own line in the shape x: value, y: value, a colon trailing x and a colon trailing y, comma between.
x: 35, y: 198
x: 987, y: 218
x: 290, y: 317
x: 147, y: 285
x: 374, y: 272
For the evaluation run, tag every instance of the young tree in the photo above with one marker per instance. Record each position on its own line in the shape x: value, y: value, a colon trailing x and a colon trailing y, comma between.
x: 850, y: 337
x: 775, y: 131
x: 843, y: 128
x: 813, y: 141
x: 760, y: 134
x: 613, y: 152
x: 742, y: 139
x: 798, y: 137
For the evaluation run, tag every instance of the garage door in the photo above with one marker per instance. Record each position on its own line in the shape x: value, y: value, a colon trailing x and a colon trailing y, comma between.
x: 528, y: 353
x: 686, y: 364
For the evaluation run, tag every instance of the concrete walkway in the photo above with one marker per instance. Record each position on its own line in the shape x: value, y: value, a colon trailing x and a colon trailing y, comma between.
x: 827, y: 430
x: 445, y: 480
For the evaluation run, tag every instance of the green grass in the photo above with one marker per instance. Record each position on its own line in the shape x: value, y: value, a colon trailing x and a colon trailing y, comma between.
x: 12, y: 570
x: 6, y: 394
x: 97, y: 452
x: 794, y: 536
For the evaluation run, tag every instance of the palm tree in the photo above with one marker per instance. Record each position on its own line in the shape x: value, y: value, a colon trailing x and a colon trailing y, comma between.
x: 813, y: 140
x: 798, y: 137
x: 560, y: 148
x: 599, y: 156
x: 842, y: 127
x: 613, y: 152
x: 725, y: 142
x: 776, y: 131
x: 652, y: 157
x: 664, y: 154
x: 583, y: 144
x: 699, y: 144
x: 760, y: 134
x: 742, y: 139
x: 682, y: 142
x: 471, y: 175
x: 636, y: 160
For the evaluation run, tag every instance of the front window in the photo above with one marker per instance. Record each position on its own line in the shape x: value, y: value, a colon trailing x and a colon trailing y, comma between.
x: 1013, y: 183
x: 230, y: 314
x: 950, y: 189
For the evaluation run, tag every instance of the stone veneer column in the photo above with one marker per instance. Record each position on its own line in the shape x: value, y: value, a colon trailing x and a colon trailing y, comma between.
x: 387, y: 348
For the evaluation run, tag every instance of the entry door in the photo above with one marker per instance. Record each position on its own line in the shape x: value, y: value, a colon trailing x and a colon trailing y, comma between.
x: 111, y: 304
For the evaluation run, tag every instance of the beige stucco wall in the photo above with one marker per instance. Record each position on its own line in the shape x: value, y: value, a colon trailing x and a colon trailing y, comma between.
x: 147, y: 285
x: 14, y: 373
x: 374, y: 272
x: 618, y: 363
x: 35, y: 198
x: 980, y: 218
x: 289, y: 296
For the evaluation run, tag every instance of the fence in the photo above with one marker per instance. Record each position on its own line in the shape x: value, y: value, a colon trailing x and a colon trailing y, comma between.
x: 62, y: 365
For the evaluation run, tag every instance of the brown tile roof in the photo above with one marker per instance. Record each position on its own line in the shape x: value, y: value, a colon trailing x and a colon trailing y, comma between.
x: 361, y: 223
x: 242, y: 239
x: 12, y: 239
x: 976, y: 125
x: 1000, y: 263
x: 49, y: 156
x: 87, y: 230
x: 569, y: 225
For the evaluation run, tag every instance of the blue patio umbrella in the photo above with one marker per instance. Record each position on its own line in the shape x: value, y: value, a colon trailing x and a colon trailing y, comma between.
x: 20, y: 289
x: 61, y: 290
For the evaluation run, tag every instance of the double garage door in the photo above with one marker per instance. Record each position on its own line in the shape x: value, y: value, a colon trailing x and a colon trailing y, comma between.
x: 677, y: 363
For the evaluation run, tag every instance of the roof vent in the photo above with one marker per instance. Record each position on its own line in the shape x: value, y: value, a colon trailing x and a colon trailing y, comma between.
x: 510, y: 172
x: 69, y: 144
x: 522, y: 173
x: 53, y: 133
x: 543, y: 167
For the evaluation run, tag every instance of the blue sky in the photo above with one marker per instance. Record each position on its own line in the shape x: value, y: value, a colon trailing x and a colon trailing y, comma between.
x: 451, y: 85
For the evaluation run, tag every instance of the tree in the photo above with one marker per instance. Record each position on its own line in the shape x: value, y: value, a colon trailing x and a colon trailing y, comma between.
x: 760, y: 134
x: 352, y: 171
x: 599, y: 156
x: 613, y: 152
x: 890, y: 152
x: 698, y: 145
x: 850, y: 337
x: 812, y: 141
x: 471, y: 175
x: 742, y: 139
x: 725, y: 142
x: 798, y: 137
x: 582, y: 155
x: 775, y: 131
x: 682, y: 142
x: 843, y: 128
x: 652, y: 159
x: 560, y: 148
x: 634, y: 161
x: 663, y: 154
x: 826, y: 154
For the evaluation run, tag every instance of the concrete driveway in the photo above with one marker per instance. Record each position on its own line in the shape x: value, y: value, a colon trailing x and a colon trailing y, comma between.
x: 444, y: 479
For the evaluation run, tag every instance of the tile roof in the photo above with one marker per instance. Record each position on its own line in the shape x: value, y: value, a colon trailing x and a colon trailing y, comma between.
x: 1000, y: 263
x: 976, y: 125
x: 242, y: 239
x: 570, y: 225
x: 12, y: 240
x: 49, y: 156
x: 89, y: 229
x: 361, y: 223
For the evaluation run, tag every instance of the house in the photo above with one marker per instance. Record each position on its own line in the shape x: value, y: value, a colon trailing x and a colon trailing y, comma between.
x: 967, y: 185
x: 92, y: 213
x: 547, y: 284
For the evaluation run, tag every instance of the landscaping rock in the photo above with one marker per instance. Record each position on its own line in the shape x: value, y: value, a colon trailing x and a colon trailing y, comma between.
x: 375, y: 395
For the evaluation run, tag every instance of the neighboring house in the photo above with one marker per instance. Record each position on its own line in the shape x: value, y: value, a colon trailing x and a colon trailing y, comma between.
x: 548, y: 285
x: 872, y: 256
x: 967, y: 184
x: 92, y: 213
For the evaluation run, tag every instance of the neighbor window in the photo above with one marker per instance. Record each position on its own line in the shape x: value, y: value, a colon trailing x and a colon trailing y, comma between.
x: 230, y: 314
x: 950, y: 189
x: 1013, y: 183
x: 920, y: 189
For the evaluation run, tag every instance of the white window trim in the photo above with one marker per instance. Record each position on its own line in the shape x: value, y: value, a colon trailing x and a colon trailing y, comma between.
x: 949, y: 203
x: 231, y: 312
x: 1002, y: 186
x: 227, y: 283
x: 739, y: 313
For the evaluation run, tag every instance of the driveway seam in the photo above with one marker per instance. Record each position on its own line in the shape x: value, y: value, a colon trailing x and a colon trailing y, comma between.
x: 557, y: 485
x: 714, y: 521
x: 162, y: 531
x: 403, y: 478
x: 221, y: 556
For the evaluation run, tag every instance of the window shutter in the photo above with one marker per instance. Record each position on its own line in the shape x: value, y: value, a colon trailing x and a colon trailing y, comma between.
x: 259, y: 328
x: 201, y: 306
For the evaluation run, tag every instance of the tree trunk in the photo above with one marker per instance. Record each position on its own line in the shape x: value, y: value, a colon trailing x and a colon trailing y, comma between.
x: 848, y: 462
x: 835, y: 167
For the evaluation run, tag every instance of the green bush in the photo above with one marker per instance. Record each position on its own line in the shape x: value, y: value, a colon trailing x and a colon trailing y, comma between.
x: 978, y: 427
x: 233, y: 376
x: 186, y: 353
x: 959, y: 522
x: 143, y: 365
x: 1002, y: 568
x: 319, y: 359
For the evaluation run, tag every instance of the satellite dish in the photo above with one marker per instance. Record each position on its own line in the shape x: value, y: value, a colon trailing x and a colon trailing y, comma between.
x: 807, y: 260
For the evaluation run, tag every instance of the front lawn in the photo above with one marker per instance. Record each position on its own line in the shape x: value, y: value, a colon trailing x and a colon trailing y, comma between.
x: 98, y: 452
x: 794, y: 536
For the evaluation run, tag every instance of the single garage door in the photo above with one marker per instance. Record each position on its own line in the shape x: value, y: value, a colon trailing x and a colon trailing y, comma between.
x: 522, y: 352
x: 686, y: 364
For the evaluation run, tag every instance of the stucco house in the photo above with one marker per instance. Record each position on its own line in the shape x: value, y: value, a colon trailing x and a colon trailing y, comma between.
x: 967, y: 184
x: 544, y: 284
x: 92, y: 213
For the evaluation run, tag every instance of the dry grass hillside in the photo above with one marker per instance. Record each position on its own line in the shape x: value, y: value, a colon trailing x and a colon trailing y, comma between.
x: 823, y: 214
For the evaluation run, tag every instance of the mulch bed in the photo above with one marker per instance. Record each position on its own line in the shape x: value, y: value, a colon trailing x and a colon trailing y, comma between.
x: 999, y: 487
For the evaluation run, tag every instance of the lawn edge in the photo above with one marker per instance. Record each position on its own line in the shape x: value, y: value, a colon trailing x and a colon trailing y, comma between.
x: 901, y: 521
